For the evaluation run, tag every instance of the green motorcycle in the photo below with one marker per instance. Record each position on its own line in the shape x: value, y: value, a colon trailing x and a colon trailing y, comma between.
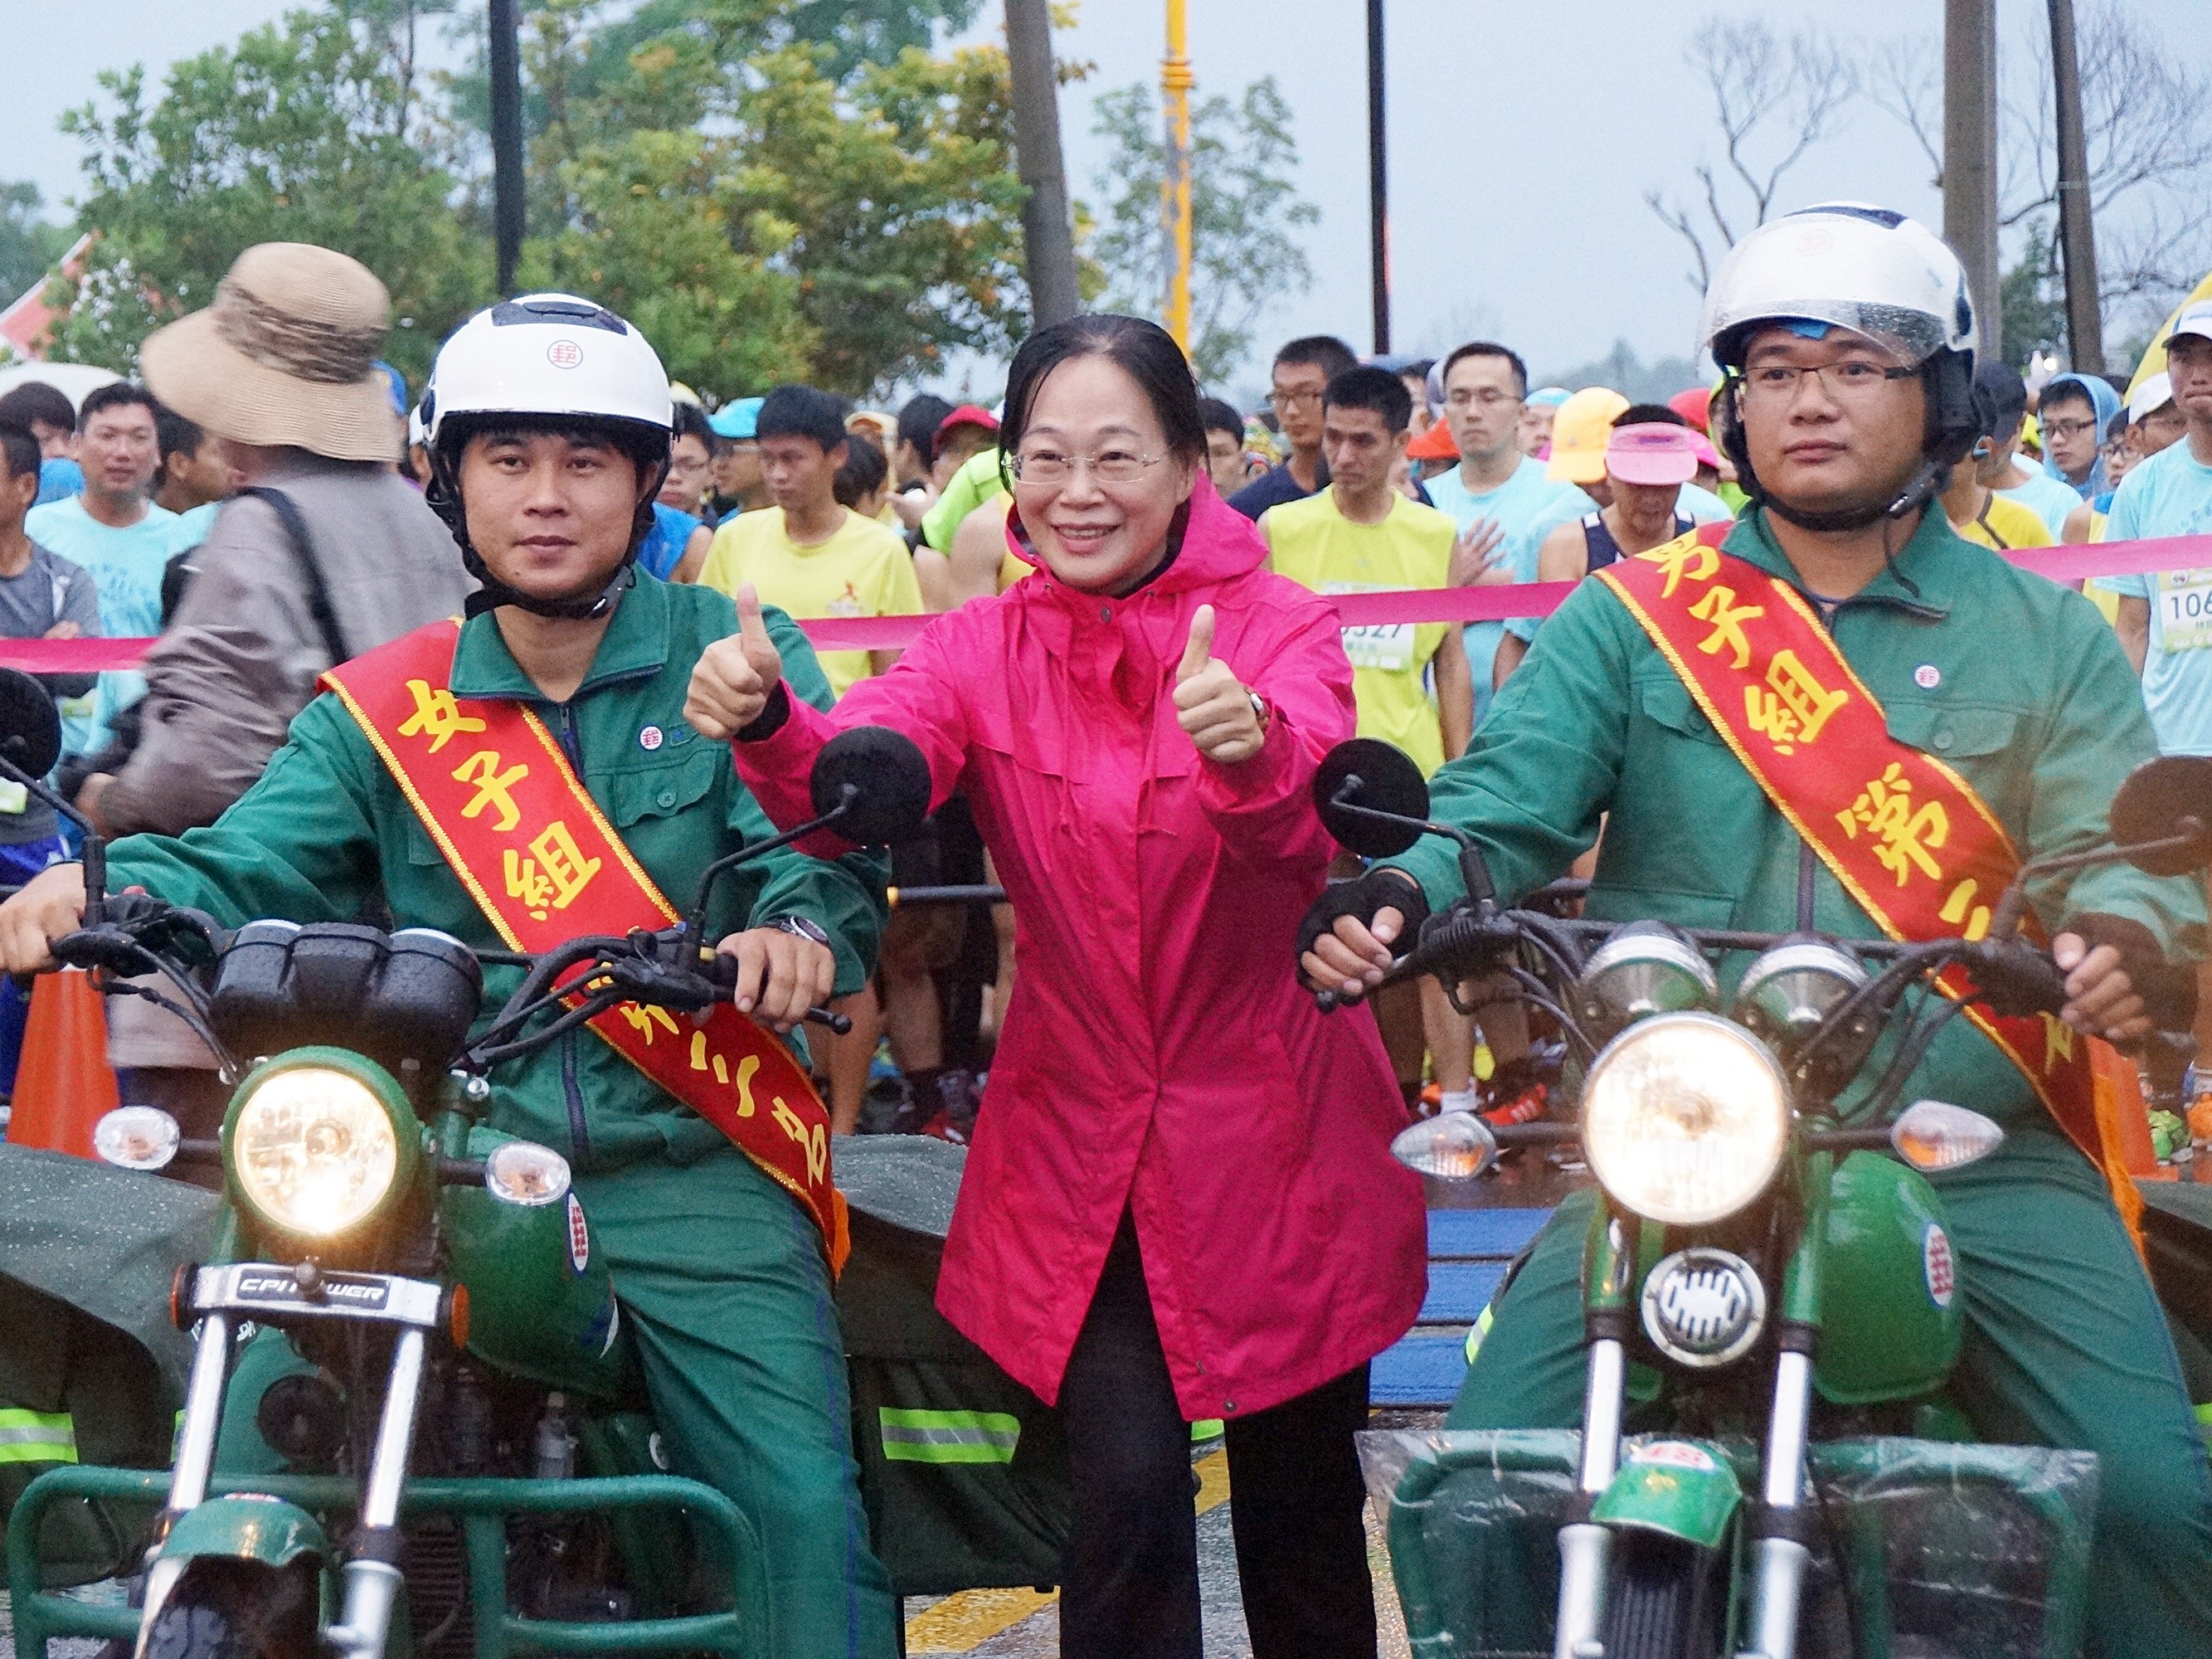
x: 406, y: 1304
x: 1768, y: 1276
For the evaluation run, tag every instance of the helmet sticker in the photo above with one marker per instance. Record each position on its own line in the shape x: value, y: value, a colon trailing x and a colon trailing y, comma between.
x: 1937, y: 1266
x: 564, y: 353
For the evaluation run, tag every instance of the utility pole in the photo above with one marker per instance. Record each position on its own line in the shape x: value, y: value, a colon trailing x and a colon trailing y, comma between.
x: 505, y: 58
x: 2077, y: 235
x: 1047, y: 243
x: 1378, y: 182
x: 1176, y: 84
x: 1970, y: 155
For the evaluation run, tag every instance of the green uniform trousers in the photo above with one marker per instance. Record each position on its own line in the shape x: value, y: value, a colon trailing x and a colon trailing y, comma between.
x: 2065, y: 1345
x: 721, y: 1277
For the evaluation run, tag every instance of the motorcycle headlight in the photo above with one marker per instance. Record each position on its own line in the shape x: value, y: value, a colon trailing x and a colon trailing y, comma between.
x: 313, y: 1149
x: 1684, y: 1119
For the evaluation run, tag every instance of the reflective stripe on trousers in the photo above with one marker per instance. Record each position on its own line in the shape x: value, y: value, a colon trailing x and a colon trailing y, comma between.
x: 927, y: 1437
x: 37, y: 1437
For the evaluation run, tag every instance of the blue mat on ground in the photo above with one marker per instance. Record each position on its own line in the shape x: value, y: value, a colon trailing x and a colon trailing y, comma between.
x: 1423, y: 1369
x: 1458, y: 1291
x: 1501, y: 1234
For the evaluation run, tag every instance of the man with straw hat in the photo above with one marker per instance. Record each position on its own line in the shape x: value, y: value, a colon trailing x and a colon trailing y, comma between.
x: 323, y: 554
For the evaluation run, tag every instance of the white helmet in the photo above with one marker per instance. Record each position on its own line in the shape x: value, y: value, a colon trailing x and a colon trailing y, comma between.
x: 1874, y: 272
x: 547, y: 354
x: 1865, y: 269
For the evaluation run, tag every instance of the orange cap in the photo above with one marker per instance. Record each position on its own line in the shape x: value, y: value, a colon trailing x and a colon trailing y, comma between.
x: 1434, y: 445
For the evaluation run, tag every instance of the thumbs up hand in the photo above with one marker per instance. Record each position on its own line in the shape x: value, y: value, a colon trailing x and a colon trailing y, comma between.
x: 1211, y: 703
x: 736, y: 676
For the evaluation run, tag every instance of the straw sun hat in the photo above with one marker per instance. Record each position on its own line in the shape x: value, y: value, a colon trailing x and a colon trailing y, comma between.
x: 285, y: 355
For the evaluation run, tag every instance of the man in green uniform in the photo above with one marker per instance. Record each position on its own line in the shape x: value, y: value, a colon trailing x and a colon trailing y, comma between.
x: 1848, y: 338
x: 550, y: 436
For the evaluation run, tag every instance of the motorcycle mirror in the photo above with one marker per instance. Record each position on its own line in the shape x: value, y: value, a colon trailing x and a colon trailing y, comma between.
x: 30, y: 727
x: 876, y: 782
x: 2167, y: 799
x: 1360, y: 785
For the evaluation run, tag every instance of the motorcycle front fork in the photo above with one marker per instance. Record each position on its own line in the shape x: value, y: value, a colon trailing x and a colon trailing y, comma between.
x: 371, y: 1571
x: 1779, y: 1562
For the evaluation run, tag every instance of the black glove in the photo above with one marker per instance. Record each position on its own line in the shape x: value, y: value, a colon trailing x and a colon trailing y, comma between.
x: 1362, y: 896
x: 2168, y: 990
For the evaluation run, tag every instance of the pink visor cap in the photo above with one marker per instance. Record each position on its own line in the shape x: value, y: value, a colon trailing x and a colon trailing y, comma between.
x: 1652, y: 453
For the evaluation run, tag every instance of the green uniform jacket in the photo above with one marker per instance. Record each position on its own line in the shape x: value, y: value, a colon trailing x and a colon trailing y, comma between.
x: 325, y: 832
x: 2031, y: 701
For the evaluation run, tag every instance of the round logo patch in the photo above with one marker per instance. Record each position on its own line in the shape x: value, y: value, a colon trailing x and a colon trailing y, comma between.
x: 1674, y: 1454
x: 1937, y: 1266
x: 564, y: 353
x: 580, y: 1238
x: 650, y: 739
x: 1928, y: 676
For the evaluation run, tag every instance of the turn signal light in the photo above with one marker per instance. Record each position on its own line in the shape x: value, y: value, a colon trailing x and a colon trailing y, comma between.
x: 1934, y: 1135
x: 1451, y: 1147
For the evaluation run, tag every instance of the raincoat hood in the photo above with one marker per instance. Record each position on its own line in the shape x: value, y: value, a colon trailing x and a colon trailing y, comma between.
x: 2106, y: 403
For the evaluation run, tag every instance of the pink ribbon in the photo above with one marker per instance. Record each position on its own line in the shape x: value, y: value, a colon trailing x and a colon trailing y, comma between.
x: 2068, y: 564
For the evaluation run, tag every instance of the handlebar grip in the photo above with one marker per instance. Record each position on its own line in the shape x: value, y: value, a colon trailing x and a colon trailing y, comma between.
x: 721, y: 972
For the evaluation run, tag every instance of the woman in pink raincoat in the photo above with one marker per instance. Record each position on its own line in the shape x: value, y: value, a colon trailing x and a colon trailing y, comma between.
x: 1180, y: 1201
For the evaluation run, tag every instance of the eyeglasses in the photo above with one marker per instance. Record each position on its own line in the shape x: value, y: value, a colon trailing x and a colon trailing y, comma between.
x: 1049, y: 467
x: 1280, y: 401
x: 1488, y: 398
x: 2067, y: 428
x: 1853, y: 380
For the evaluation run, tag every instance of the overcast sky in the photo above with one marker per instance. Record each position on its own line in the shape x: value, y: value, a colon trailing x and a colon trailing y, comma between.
x: 1521, y: 137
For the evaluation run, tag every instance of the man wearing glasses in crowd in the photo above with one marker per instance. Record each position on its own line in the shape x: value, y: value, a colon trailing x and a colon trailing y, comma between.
x: 1302, y: 370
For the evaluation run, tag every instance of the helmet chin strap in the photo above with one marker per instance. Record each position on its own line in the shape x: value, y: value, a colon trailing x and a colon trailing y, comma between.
x: 1927, y: 480
x: 584, y: 606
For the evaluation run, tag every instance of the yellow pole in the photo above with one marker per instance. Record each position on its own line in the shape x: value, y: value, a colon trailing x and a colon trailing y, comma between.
x: 1176, y: 82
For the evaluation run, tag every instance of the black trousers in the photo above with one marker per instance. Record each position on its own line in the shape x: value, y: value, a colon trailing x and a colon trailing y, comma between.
x: 1129, y: 1585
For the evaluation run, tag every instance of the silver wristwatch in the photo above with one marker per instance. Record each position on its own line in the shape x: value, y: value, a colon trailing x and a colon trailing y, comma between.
x: 800, y: 928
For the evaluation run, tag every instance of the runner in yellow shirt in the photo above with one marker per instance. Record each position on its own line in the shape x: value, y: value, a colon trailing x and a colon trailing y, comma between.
x: 1360, y: 535
x: 809, y: 554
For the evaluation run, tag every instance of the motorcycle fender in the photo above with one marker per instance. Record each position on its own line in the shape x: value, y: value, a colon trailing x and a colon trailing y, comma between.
x: 1683, y: 1488
x: 246, y: 1527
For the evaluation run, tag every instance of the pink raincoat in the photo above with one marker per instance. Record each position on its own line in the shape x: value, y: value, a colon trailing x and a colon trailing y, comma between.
x: 1159, y: 1053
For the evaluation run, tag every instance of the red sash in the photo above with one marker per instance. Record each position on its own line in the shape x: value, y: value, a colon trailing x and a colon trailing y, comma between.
x: 1909, y: 839
x: 498, y: 796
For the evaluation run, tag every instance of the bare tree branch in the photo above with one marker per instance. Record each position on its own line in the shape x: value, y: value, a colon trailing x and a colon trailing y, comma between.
x: 1773, y: 104
x: 1903, y: 81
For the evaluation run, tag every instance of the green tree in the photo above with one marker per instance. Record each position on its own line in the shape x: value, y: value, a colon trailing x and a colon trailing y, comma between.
x: 2032, y: 298
x: 1244, y: 212
x: 311, y: 131
x: 893, y: 202
x: 28, y: 245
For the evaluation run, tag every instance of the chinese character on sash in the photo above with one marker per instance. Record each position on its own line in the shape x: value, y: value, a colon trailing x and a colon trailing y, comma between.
x: 1794, y: 707
x: 1719, y: 608
x: 554, y: 876
x: 1683, y: 557
x: 481, y: 769
x: 1884, y: 810
x: 435, y: 715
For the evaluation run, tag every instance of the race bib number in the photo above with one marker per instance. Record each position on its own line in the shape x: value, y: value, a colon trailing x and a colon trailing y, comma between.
x: 2185, y: 610
x: 1388, y: 646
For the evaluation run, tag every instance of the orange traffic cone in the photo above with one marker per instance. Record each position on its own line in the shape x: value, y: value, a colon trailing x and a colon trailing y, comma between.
x: 64, y: 1084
